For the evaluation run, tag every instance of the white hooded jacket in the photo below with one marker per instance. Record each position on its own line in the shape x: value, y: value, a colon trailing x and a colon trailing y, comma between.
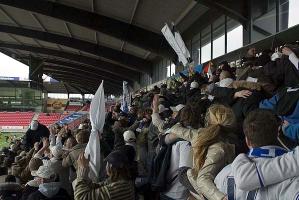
x: 273, y: 170
x: 251, y: 173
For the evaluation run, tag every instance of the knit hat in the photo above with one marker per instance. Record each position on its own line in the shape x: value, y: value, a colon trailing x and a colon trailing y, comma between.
x: 117, y: 159
x: 34, y: 164
x: 45, y: 172
x: 129, y: 136
x: 56, y: 151
x: 177, y: 108
x: 194, y: 85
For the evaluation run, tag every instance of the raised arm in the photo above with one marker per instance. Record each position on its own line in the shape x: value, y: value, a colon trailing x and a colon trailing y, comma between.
x: 84, y: 188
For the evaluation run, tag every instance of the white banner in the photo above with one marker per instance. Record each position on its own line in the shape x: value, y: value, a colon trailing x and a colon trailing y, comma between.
x: 177, y: 43
x: 126, y: 100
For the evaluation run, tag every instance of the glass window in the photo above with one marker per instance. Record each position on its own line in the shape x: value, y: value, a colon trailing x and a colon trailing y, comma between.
x: 79, y: 96
x: 88, y: 96
x: 293, y: 13
x: 235, y: 38
x: 57, y: 96
x: 206, y: 53
x: 218, y: 46
x: 170, y: 70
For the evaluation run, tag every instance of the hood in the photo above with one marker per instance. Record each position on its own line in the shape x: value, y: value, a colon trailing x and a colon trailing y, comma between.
x: 49, y: 189
x: 34, y: 125
x: 226, y: 82
x: 32, y: 183
x: 79, y: 146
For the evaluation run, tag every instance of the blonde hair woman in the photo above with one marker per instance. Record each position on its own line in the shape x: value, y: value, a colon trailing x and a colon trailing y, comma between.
x: 212, y: 150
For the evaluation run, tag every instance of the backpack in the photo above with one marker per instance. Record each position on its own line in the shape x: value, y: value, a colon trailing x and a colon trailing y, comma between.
x: 160, y: 167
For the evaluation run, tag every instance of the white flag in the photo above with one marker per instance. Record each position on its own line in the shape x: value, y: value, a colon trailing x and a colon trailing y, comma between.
x: 126, y: 98
x: 97, y: 119
x: 177, y: 43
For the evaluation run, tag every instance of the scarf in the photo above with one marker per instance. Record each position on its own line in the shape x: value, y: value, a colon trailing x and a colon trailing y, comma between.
x: 267, y: 152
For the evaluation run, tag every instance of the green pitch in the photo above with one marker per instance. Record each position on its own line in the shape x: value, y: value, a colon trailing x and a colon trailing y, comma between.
x: 3, y: 137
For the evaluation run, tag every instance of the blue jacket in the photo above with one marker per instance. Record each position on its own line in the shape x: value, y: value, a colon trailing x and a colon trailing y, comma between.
x: 291, y: 131
x: 271, y: 104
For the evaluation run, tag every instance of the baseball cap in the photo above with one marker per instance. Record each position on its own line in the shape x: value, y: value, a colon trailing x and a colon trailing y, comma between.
x: 129, y: 136
x: 177, y: 108
x: 117, y: 159
x: 44, y: 172
x: 194, y: 85
x: 162, y: 108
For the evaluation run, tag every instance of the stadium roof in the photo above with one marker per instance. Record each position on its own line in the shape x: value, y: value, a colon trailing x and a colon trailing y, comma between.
x: 49, y: 87
x: 82, y: 42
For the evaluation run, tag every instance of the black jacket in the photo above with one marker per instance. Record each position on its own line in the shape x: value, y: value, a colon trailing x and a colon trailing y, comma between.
x: 61, y: 195
x: 35, y: 136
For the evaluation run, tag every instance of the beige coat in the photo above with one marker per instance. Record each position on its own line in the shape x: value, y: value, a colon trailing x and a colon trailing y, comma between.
x: 218, y: 156
x: 71, y: 159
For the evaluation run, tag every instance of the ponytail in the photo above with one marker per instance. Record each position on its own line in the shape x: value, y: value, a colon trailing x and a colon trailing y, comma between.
x: 206, y: 138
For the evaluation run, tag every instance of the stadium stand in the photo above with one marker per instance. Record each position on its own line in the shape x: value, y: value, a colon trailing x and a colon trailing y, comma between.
x: 222, y: 124
x: 49, y: 118
x: 86, y: 107
x: 73, y: 108
x: 15, y: 118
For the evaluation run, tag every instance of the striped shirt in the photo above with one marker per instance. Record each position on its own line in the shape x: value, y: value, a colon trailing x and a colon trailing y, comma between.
x: 107, y: 190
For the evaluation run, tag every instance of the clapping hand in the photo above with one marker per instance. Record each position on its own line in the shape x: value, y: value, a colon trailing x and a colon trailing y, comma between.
x: 287, y: 51
x: 155, y: 105
x: 243, y: 94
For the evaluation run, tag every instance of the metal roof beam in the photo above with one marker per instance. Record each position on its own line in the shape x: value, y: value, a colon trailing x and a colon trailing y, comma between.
x: 131, y: 62
x: 74, y: 66
x: 79, y: 71
x: 82, y: 79
x: 50, y: 69
x: 234, y: 9
x: 66, y: 88
x: 92, y: 86
x: 96, y: 63
x: 133, y: 34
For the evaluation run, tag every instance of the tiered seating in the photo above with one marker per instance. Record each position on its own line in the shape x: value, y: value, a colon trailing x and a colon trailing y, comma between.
x: 86, y: 107
x: 63, y: 116
x: 48, y: 119
x: 15, y: 118
x: 73, y: 108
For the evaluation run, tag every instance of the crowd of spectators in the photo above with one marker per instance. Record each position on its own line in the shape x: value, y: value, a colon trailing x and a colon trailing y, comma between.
x: 230, y: 133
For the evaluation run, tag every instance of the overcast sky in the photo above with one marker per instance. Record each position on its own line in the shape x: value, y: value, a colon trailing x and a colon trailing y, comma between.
x: 13, y: 68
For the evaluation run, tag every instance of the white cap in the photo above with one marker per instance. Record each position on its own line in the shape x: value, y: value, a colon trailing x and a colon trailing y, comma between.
x: 276, y: 55
x: 80, y: 126
x: 162, y: 108
x: 56, y: 151
x: 129, y: 136
x: 34, y: 125
x: 226, y: 82
x: 177, y: 108
x: 194, y: 85
x: 44, y: 172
